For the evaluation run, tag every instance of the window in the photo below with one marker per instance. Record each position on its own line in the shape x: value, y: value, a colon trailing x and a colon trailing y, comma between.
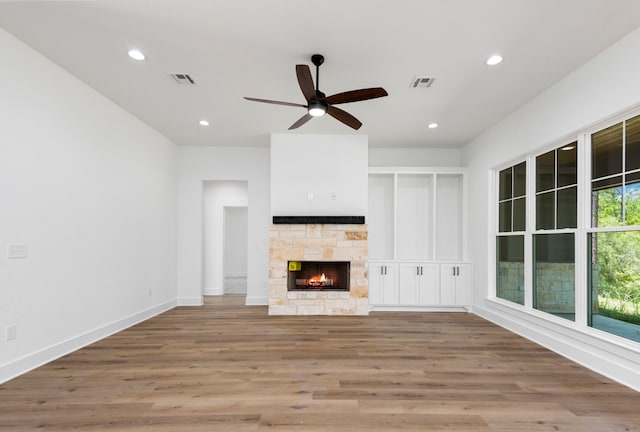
x: 554, y: 274
x: 557, y: 188
x: 614, y: 243
x: 510, y: 280
x: 512, y: 194
x: 512, y: 218
x: 539, y: 235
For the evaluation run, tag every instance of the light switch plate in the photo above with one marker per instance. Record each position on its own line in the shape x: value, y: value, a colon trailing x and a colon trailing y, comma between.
x: 17, y: 250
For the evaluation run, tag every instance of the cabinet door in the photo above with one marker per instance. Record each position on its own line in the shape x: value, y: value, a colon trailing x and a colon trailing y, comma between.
x: 428, y: 291
x: 448, y: 284
x: 409, y: 283
x: 390, y: 289
x: 376, y: 283
x: 383, y: 289
x: 455, y: 284
x: 463, y: 285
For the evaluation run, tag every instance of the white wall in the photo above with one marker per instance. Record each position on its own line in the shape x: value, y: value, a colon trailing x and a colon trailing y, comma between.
x: 235, y: 242
x: 319, y: 175
x: 603, y: 87
x: 414, y: 157
x: 92, y: 192
x: 199, y: 164
x: 215, y: 196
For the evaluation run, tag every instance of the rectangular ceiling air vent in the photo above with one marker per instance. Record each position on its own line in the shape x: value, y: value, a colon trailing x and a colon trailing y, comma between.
x: 182, y: 79
x: 422, y: 82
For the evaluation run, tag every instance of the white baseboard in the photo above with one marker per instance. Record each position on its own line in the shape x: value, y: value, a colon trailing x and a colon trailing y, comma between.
x: 378, y: 308
x: 190, y: 301
x: 256, y: 301
x: 25, y: 364
x: 612, y: 360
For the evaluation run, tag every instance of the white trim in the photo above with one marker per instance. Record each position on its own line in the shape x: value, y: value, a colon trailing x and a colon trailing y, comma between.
x: 383, y: 308
x: 610, y: 359
x: 257, y: 301
x: 190, y: 301
x: 25, y: 364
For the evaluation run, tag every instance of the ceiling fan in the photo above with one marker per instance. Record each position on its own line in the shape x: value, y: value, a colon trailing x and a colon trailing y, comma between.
x: 318, y: 103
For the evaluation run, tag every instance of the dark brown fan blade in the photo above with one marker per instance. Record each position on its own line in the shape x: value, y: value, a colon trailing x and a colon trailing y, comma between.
x: 275, y: 102
x: 356, y: 95
x: 344, y: 117
x: 302, y: 120
x: 306, y: 82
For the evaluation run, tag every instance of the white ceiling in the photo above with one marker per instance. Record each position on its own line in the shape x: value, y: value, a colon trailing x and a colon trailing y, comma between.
x: 236, y: 48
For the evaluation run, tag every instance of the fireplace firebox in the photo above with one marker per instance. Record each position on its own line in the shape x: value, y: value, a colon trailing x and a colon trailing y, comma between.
x: 318, y: 275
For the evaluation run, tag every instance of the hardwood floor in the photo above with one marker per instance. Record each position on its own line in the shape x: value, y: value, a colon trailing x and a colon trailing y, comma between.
x: 227, y: 367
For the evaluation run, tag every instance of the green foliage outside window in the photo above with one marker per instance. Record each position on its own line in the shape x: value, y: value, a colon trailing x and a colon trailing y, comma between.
x: 617, y: 255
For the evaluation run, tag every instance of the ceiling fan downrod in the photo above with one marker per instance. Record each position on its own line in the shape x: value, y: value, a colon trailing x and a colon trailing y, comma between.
x: 317, y: 60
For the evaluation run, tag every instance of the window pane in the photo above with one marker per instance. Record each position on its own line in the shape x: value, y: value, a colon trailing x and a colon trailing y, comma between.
x: 632, y: 144
x: 505, y: 184
x: 545, y: 171
x: 606, y: 203
x: 545, y: 211
x: 567, y: 165
x: 567, y: 208
x: 519, y: 214
x: 505, y: 216
x: 606, y: 153
x: 554, y: 274
x: 615, y: 283
x: 520, y: 179
x: 632, y: 199
x: 510, y: 258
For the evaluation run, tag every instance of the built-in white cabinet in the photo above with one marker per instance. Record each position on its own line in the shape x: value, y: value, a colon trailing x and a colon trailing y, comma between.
x: 418, y: 284
x: 383, y: 284
x: 455, y: 284
x: 416, y: 219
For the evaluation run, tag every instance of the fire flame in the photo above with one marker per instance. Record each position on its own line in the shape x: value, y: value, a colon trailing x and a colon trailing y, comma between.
x: 322, y: 278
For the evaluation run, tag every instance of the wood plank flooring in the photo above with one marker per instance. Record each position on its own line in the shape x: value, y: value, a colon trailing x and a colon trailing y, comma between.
x: 227, y: 367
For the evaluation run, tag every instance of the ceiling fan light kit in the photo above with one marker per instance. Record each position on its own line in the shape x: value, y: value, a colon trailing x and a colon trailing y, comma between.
x: 318, y: 104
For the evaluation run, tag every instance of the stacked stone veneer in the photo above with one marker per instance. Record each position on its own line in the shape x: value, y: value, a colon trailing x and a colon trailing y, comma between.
x: 311, y: 242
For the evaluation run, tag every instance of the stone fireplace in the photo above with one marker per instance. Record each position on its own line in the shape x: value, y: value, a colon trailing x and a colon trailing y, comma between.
x: 299, y: 255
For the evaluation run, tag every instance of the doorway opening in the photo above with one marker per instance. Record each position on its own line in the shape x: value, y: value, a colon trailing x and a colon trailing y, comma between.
x: 225, y: 241
x: 235, y: 250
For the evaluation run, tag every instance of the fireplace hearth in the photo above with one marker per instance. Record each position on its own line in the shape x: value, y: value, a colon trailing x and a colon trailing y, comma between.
x: 296, y: 248
x: 318, y: 275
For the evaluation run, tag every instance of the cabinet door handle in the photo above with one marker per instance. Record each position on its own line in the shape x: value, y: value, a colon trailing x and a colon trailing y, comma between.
x: 385, y: 270
x: 421, y: 271
x: 381, y: 270
x: 454, y: 271
x: 417, y: 270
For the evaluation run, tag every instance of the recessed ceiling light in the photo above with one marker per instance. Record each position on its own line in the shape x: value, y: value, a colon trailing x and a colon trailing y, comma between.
x: 494, y: 60
x: 136, y: 54
x: 432, y: 125
x: 203, y: 123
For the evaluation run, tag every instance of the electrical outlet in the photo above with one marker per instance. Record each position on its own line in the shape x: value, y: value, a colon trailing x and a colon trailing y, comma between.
x: 334, y: 196
x: 11, y: 332
x: 17, y: 250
